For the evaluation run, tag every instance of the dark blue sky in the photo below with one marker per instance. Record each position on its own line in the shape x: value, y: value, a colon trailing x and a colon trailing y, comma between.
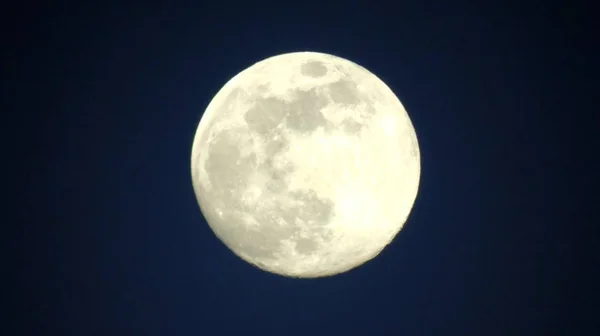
x: 107, y: 99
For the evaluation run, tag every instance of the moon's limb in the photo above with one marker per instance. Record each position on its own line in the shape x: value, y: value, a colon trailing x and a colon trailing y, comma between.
x: 306, y: 164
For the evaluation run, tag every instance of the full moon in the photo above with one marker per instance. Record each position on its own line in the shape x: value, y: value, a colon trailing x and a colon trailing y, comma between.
x: 305, y: 165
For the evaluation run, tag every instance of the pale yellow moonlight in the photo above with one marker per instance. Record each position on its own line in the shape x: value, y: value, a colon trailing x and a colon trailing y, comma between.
x: 305, y: 164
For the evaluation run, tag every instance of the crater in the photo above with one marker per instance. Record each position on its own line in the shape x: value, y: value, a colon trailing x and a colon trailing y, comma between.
x: 414, y: 148
x: 309, y: 209
x: 234, y: 95
x: 277, y: 180
x: 351, y: 126
x: 303, y: 114
x: 228, y: 104
x: 306, y: 246
x: 315, y: 242
x: 276, y: 144
x: 273, y: 165
x: 344, y: 92
x: 313, y: 69
x: 226, y: 167
x: 265, y: 115
x: 258, y: 243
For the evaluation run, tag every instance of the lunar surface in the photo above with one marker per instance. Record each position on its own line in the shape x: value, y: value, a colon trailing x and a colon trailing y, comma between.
x: 305, y: 165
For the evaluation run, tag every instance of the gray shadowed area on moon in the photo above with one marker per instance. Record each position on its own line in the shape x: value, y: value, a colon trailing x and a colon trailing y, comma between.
x: 302, y: 114
x: 313, y: 69
x: 345, y: 92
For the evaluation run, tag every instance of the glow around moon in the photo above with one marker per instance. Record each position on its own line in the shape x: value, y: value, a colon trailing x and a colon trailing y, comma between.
x: 305, y: 164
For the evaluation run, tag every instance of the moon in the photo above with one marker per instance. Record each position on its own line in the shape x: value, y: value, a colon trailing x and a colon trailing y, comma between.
x: 305, y: 165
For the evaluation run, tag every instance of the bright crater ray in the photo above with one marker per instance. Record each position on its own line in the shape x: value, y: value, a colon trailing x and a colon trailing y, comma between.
x: 305, y: 164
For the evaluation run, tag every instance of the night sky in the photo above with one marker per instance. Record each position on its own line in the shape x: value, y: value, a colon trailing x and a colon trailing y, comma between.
x: 110, y: 239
